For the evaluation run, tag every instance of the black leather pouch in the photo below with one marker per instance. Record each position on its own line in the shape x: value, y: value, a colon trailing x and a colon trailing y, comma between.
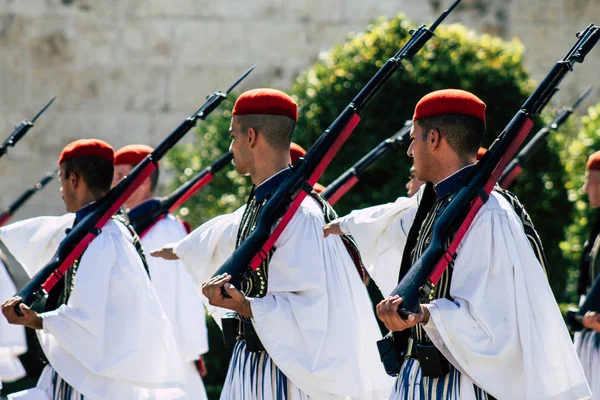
x: 433, y: 363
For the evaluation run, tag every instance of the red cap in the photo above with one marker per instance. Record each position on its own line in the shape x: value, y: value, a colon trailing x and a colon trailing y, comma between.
x: 449, y: 101
x: 87, y: 148
x: 593, y: 163
x: 132, y: 154
x: 481, y: 152
x: 266, y: 102
x: 296, y: 151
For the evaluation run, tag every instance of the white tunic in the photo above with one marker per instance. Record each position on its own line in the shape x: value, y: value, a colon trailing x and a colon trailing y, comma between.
x: 180, y: 300
x: 12, y: 337
x: 503, y: 330
x: 315, y: 321
x: 112, y: 340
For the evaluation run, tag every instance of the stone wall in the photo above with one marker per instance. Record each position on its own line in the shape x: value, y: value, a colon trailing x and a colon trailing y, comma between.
x: 129, y: 71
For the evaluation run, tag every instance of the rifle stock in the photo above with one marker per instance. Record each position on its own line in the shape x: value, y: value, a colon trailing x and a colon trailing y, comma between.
x: 288, y: 197
x: 421, y: 280
x: 86, y: 230
x: 338, y: 188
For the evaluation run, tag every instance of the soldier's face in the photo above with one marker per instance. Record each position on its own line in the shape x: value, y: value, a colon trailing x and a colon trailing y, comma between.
x: 419, y: 152
x: 413, y: 184
x: 68, y: 189
x: 239, y: 147
x: 592, y: 187
x: 121, y: 171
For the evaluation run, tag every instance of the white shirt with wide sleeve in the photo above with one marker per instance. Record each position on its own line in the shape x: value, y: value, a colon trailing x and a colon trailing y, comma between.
x: 180, y: 299
x: 381, y: 233
x: 503, y: 328
x: 316, y: 320
x: 112, y: 340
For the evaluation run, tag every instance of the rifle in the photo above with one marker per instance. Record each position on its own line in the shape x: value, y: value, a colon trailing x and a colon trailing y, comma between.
x: 338, y: 188
x: 514, y: 168
x: 18, y: 203
x: 87, y: 229
x: 305, y: 173
x: 22, y: 129
x: 144, y: 222
x: 421, y: 279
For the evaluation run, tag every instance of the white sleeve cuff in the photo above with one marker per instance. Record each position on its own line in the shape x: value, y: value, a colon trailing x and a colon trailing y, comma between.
x: 344, y: 226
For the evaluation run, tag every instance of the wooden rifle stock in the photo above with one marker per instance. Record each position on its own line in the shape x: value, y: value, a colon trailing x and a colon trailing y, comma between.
x: 338, y: 188
x: 170, y: 203
x: 288, y: 197
x: 422, y: 278
x: 86, y: 230
x: 514, y: 168
x: 22, y: 199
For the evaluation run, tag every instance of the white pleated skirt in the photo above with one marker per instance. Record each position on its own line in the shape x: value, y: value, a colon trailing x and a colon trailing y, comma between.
x: 587, y: 345
x: 254, y: 376
x: 411, y: 385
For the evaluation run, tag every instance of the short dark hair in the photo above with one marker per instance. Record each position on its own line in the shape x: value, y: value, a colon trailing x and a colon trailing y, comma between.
x: 277, y: 129
x: 463, y: 132
x: 97, y: 172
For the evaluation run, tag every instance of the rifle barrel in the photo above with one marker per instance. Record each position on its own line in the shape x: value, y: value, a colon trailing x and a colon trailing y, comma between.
x: 338, y: 188
x: 21, y: 129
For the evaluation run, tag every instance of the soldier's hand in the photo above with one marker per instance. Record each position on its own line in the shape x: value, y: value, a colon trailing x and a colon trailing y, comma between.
x: 387, y: 312
x: 591, y: 320
x: 332, y: 228
x: 30, y: 318
x: 221, y: 293
x: 165, y: 253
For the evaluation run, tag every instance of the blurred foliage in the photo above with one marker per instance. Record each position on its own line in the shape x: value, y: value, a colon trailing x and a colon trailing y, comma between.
x: 455, y: 58
x: 228, y: 190
x: 574, y: 153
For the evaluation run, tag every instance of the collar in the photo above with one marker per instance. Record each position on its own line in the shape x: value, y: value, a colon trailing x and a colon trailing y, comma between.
x: 266, y: 188
x: 142, y: 208
x: 454, y: 181
x: 85, y: 211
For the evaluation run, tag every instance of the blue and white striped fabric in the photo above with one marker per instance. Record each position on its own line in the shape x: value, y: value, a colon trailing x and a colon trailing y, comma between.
x: 410, y: 385
x: 61, y: 390
x: 254, y: 376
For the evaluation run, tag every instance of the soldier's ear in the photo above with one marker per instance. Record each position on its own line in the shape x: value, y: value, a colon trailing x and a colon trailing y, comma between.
x: 434, y: 138
x: 252, y: 135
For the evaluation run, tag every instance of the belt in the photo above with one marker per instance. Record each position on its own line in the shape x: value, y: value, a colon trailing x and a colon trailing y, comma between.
x: 247, y: 334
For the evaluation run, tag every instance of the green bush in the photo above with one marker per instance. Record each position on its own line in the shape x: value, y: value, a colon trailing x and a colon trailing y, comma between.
x: 575, y: 152
x: 228, y: 190
x: 455, y: 58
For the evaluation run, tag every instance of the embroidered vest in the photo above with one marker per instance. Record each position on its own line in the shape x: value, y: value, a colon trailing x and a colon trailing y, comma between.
x: 255, y: 283
x: 442, y: 289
